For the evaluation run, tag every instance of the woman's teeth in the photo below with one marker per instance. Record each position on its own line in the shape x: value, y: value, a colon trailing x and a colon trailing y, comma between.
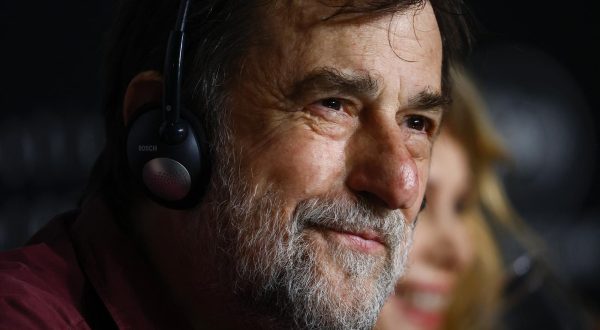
x: 427, y: 301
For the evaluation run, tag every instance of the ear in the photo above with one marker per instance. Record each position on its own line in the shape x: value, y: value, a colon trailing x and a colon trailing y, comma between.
x: 145, y: 88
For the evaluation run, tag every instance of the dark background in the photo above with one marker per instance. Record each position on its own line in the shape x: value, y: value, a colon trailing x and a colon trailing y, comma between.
x: 51, y: 129
x: 567, y: 31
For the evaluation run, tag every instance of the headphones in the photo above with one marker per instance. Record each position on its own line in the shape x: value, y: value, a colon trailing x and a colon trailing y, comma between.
x: 166, y: 146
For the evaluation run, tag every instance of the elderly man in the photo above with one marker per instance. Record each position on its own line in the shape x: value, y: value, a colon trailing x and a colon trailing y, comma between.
x: 315, y: 126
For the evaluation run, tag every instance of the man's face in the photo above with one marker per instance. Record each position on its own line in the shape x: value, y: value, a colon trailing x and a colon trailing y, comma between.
x: 319, y: 182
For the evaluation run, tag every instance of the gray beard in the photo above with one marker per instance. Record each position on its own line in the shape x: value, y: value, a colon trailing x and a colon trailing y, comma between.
x: 280, y: 272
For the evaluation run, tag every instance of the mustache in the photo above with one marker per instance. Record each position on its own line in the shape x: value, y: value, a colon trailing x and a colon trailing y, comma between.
x: 346, y: 215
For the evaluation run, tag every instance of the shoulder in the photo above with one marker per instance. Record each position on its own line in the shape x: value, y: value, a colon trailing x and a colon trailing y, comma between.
x: 41, y: 286
x: 25, y: 302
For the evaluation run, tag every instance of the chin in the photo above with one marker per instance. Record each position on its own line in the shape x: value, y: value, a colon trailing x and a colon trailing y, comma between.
x: 416, y: 306
x: 329, y: 282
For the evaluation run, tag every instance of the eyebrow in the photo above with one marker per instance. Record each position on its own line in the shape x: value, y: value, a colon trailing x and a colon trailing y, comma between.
x: 327, y: 79
x: 429, y: 100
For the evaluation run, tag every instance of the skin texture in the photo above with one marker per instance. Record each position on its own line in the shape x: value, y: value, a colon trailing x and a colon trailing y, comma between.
x: 344, y: 109
x: 442, y: 247
x: 291, y: 140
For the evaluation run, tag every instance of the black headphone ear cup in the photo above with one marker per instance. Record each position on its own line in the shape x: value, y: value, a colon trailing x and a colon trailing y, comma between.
x: 172, y: 174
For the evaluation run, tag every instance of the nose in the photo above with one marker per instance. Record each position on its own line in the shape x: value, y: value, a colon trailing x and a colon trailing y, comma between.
x: 383, y: 167
x: 444, y: 251
x: 444, y: 238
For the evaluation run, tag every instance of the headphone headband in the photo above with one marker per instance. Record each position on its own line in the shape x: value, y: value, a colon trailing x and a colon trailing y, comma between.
x: 171, y: 131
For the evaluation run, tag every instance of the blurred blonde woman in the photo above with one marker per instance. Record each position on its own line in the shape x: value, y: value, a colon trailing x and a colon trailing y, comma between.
x: 454, y: 277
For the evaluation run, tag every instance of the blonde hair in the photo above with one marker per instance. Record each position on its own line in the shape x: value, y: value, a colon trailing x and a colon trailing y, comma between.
x: 478, y: 292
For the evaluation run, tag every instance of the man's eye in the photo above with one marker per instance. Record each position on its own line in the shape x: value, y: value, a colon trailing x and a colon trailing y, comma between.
x: 418, y: 123
x: 332, y: 103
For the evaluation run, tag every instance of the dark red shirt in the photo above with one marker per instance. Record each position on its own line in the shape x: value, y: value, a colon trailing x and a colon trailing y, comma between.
x: 82, y: 272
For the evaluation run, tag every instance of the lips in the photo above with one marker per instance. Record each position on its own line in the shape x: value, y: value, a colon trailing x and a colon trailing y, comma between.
x: 365, y: 240
x: 367, y: 235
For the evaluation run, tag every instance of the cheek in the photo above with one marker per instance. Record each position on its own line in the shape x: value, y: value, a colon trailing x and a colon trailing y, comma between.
x: 422, y: 177
x: 300, y: 164
x: 463, y: 244
x: 418, y: 145
x: 420, y: 151
x: 466, y: 247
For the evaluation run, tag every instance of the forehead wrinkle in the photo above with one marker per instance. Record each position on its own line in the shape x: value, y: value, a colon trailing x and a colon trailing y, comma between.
x: 415, y: 29
x: 306, y: 14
